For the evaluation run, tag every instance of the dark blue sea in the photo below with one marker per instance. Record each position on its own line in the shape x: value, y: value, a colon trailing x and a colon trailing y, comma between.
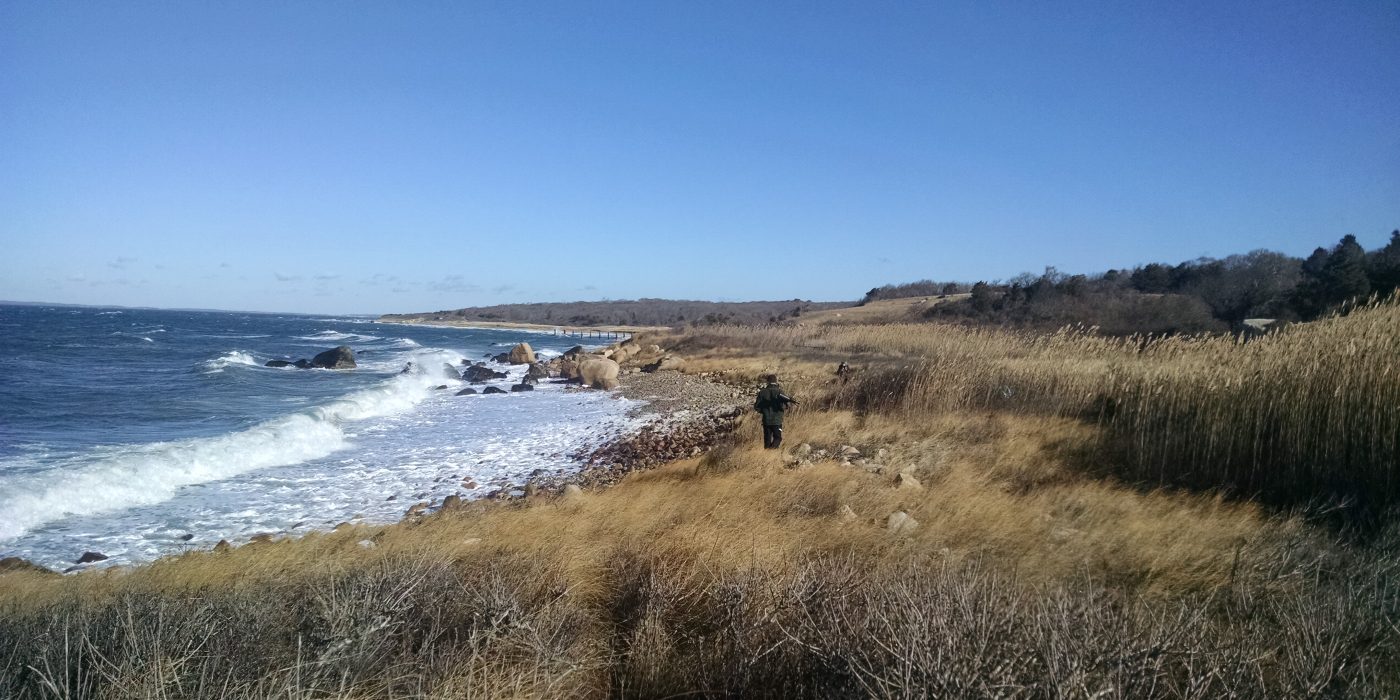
x: 140, y: 433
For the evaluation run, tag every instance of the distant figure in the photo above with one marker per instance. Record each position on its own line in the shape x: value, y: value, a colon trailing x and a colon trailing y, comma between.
x: 843, y: 372
x: 772, y: 402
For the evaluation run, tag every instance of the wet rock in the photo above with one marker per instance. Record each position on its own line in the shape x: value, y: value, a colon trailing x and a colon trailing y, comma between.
x: 451, y: 502
x: 416, y: 509
x: 392, y: 498
x: 901, y: 523
x: 522, y: 387
x: 479, y: 374
x: 466, y: 392
x: 470, y: 485
x: 493, y: 390
x: 90, y: 557
x: 186, y: 537
x: 440, y: 387
x: 278, y: 363
x: 450, y: 372
x: 340, y: 357
x: 537, y: 372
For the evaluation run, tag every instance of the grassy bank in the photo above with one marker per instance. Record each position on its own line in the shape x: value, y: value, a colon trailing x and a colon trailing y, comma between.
x: 1047, y: 559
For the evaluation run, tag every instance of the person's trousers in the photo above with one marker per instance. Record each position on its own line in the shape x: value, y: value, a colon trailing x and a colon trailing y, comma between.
x: 772, y: 436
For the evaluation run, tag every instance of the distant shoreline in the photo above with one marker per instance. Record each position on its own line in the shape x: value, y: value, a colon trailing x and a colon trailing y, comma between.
x: 539, y: 327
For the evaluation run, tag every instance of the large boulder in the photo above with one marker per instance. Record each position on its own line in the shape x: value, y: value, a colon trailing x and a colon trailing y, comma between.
x: 521, y: 354
x: 598, y: 372
x: 575, y: 352
x: 568, y: 368
x: 450, y: 371
x: 341, y: 357
x: 501, y: 358
x: 479, y: 374
x: 537, y: 372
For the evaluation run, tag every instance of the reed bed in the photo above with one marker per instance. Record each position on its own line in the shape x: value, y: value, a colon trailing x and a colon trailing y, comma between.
x: 1307, y: 415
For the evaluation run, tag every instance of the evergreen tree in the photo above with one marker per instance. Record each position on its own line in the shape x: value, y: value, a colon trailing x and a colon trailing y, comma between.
x: 1344, y: 276
x: 1383, y: 266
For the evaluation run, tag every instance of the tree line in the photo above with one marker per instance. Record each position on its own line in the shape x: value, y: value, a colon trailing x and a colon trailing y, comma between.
x: 1202, y: 295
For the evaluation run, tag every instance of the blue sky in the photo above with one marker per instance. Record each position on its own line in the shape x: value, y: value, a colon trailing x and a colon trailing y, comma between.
x: 367, y: 157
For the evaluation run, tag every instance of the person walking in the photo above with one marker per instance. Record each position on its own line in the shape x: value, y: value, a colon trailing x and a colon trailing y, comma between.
x: 772, y: 402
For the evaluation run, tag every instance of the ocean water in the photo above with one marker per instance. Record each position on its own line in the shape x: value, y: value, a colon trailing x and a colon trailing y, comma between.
x: 141, y: 433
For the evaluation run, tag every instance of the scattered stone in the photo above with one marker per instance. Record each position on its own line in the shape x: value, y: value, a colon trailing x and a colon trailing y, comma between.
x: 572, y: 491
x: 440, y: 387
x: 416, y: 509
x: 90, y: 557
x: 901, y: 523
x: 261, y: 538
x: 278, y: 363
x: 803, y: 451
x: 186, y: 537
x: 532, y: 489
x: 466, y: 392
x: 849, y: 452
x: 906, y: 482
x: 517, y: 388
x: 451, y: 501
x: 470, y: 485
x: 392, y: 498
x: 846, y: 515
x: 367, y: 544
x: 471, y: 541
x: 537, y: 372
x: 222, y: 546
x: 451, y: 372
x: 493, y: 390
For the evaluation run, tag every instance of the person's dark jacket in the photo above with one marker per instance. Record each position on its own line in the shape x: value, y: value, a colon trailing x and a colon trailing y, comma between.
x: 771, y: 402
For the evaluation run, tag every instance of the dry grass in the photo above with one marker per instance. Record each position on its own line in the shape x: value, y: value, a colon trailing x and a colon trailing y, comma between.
x: 739, y: 573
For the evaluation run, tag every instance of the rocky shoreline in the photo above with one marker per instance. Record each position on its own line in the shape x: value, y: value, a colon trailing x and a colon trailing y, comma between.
x: 684, y: 416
